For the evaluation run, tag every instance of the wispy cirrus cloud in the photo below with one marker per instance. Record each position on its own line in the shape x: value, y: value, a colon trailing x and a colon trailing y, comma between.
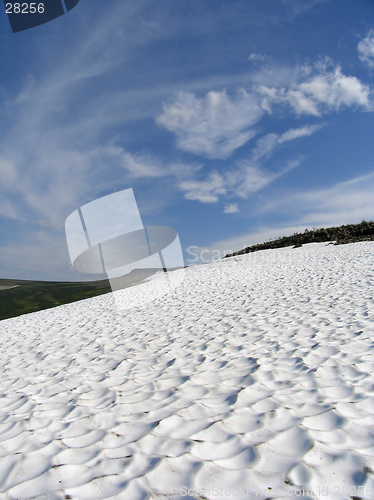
x: 58, y: 150
x: 137, y: 165
x: 301, y: 6
x: 243, y: 179
x: 247, y: 175
x: 296, y: 133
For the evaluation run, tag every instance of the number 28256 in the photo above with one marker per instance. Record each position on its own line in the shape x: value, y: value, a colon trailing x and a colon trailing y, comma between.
x: 24, y: 8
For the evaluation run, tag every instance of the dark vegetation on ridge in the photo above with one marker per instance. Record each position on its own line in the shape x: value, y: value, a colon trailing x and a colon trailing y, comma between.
x: 340, y: 235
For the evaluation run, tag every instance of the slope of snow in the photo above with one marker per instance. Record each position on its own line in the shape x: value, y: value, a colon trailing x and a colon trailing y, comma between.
x: 253, y: 379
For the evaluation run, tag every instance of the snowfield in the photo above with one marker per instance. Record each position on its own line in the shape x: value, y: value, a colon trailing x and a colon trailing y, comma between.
x: 252, y: 379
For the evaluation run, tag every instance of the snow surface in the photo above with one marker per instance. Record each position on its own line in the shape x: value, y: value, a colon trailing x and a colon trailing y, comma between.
x: 252, y: 379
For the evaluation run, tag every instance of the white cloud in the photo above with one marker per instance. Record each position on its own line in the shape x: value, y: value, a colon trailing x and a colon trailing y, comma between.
x: 258, y: 58
x: 241, y: 180
x: 266, y: 145
x: 335, y: 90
x: 256, y: 178
x: 300, y: 6
x: 246, y: 176
x: 217, y: 124
x: 231, y: 208
x: 137, y: 165
x: 323, y: 90
x: 213, y: 126
x: 366, y: 50
x: 293, y: 133
x: 206, y: 191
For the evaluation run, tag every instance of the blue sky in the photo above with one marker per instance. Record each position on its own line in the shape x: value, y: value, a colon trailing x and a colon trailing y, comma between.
x: 233, y: 122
